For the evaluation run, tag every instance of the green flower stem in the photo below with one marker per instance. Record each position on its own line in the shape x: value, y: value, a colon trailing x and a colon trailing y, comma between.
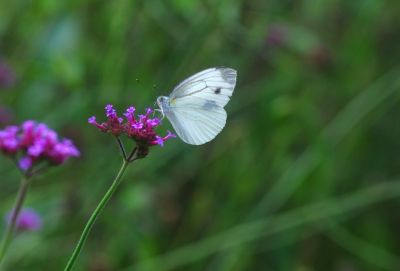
x: 23, y: 188
x: 94, y: 216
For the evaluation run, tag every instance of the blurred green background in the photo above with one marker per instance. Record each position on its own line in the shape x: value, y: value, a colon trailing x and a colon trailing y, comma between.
x: 305, y: 175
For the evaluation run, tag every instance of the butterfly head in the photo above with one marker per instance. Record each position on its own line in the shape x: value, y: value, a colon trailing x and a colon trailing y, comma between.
x: 163, y: 104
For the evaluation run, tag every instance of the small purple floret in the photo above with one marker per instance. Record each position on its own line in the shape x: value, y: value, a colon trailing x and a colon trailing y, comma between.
x: 9, y: 142
x: 92, y: 120
x: 28, y: 220
x: 137, y: 125
x: 159, y: 140
x: 110, y: 111
x: 25, y: 163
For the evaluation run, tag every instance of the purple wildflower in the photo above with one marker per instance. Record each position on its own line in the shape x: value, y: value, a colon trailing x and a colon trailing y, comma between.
x: 92, y: 120
x: 33, y: 143
x: 140, y: 129
x: 62, y: 150
x: 9, y: 143
x: 160, y: 140
x: 28, y: 220
x: 25, y: 163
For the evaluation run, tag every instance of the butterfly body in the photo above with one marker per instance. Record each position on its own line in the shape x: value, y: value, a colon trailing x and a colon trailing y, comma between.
x: 195, y: 107
x: 163, y: 104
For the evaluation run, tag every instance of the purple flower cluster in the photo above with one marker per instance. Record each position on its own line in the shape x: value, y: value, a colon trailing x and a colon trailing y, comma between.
x: 140, y: 129
x: 28, y: 220
x: 32, y: 143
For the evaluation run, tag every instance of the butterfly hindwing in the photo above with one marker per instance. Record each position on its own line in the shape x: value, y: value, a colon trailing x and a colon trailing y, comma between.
x: 197, y: 124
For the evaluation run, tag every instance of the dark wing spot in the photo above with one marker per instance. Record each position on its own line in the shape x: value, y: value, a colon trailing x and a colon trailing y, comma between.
x: 217, y: 91
x: 229, y: 75
x: 209, y: 105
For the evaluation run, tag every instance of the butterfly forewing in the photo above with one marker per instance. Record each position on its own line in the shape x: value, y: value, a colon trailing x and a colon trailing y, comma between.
x: 215, y: 84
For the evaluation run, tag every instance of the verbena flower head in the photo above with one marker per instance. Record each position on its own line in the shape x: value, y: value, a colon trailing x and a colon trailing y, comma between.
x: 140, y: 128
x: 33, y: 143
x: 28, y: 220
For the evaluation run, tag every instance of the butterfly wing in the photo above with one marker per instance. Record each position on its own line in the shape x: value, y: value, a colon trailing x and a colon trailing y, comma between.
x: 196, y: 106
x: 215, y: 84
x: 196, y: 124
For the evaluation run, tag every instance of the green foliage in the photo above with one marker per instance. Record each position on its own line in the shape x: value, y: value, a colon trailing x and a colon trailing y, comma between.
x: 303, y: 177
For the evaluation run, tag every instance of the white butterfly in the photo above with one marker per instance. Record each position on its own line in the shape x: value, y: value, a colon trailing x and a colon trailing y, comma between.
x: 195, y: 107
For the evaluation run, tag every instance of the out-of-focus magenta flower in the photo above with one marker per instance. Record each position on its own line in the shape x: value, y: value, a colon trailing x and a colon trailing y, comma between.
x: 140, y: 129
x: 7, y: 75
x: 28, y: 220
x: 33, y: 143
x: 9, y: 142
x: 25, y: 163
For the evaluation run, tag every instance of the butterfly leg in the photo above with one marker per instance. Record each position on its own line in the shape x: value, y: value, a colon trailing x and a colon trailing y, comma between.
x: 162, y: 113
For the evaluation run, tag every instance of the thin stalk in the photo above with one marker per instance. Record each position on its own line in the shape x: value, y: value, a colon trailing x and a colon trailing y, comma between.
x: 23, y: 188
x: 133, y: 155
x: 94, y: 216
x: 122, y: 148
